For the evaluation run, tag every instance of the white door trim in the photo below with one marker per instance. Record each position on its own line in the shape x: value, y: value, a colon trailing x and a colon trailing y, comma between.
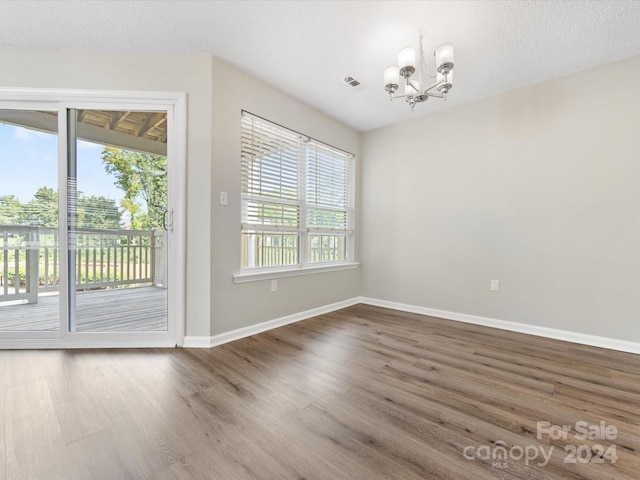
x: 174, y: 103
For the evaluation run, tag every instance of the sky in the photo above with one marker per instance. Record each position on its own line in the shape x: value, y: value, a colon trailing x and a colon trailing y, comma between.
x: 29, y: 160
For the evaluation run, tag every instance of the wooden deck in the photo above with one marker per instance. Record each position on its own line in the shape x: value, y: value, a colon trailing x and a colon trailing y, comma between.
x: 111, y: 310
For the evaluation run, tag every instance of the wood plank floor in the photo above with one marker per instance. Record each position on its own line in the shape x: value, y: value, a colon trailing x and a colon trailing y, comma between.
x: 362, y: 394
x: 111, y: 310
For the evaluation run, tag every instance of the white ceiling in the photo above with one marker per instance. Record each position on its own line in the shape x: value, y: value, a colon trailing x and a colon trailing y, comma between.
x: 305, y: 48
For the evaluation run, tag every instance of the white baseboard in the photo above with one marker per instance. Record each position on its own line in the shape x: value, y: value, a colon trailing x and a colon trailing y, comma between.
x: 557, y: 334
x: 574, y: 337
x: 194, y: 341
x: 226, y: 337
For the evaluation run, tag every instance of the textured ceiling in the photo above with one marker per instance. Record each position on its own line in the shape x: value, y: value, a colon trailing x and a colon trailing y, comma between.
x: 305, y: 48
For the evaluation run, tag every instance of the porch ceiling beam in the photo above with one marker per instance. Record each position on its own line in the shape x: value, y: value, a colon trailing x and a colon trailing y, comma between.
x: 151, y: 123
x: 117, y: 118
x: 102, y: 136
x: 46, y: 122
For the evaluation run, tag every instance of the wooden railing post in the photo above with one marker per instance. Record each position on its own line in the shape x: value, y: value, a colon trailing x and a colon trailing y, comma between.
x: 32, y: 265
x: 159, y: 258
x: 4, y: 275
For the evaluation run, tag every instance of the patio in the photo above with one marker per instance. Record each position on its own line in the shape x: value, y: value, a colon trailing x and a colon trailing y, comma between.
x: 111, y: 310
x: 118, y: 276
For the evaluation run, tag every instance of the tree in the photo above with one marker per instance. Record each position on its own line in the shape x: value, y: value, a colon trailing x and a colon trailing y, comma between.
x: 97, y: 212
x: 10, y: 210
x: 143, y: 179
x: 42, y: 209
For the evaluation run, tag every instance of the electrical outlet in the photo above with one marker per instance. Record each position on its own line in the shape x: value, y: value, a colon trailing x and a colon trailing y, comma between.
x: 274, y: 286
x: 495, y: 285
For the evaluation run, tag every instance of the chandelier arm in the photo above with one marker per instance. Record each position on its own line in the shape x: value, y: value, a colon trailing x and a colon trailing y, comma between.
x: 403, y: 95
x: 413, y: 85
x: 425, y: 92
x: 434, y: 85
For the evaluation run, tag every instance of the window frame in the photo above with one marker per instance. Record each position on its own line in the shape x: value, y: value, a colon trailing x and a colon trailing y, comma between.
x: 304, y: 265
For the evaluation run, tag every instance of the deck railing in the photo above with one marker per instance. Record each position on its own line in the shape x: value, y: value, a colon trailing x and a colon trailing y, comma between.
x: 277, y: 250
x: 30, y: 259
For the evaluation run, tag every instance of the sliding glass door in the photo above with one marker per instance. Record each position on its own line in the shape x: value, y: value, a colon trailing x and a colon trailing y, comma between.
x: 87, y: 226
x: 29, y: 246
x: 117, y: 187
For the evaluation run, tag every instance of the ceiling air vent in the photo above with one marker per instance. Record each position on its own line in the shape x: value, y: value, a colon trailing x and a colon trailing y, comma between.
x: 351, y: 81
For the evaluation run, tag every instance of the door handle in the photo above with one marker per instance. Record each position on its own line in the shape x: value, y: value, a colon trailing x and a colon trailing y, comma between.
x: 169, y: 224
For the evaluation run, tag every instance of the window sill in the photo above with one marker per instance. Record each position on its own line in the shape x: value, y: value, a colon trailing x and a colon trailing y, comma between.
x: 246, y: 277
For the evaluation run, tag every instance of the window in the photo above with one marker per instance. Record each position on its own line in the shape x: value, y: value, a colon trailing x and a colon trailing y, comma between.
x: 297, y: 204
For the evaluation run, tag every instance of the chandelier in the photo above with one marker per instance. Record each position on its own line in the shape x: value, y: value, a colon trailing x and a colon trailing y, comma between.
x: 418, y: 82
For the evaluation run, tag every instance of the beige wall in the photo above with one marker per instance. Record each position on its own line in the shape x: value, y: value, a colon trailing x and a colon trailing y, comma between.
x: 238, y: 305
x: 538, y: 188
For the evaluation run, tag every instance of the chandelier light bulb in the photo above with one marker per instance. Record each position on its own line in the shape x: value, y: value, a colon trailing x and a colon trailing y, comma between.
x: 444, y: 58
x: 407, y: 61
x: 391, y: 78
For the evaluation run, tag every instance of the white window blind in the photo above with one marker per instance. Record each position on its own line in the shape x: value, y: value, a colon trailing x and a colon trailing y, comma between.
x: 296, y: 198
x: 269, y: 175
x: 328, y: 189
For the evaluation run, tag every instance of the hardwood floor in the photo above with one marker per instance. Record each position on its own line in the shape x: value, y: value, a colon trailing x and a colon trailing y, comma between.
x: 364, y: 393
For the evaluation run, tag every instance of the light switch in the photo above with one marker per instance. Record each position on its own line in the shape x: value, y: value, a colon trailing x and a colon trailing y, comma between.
x: 224, y: 200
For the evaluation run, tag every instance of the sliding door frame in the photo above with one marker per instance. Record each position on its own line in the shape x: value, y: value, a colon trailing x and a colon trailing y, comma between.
x: 15, y: 339
x: 174, y: 104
